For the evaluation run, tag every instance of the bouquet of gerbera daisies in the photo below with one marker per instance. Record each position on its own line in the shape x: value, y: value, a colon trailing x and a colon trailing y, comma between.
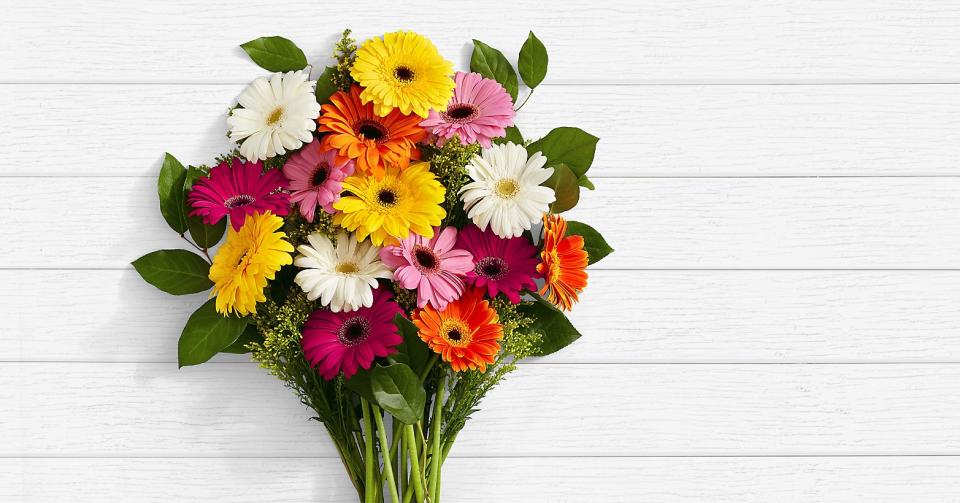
x: 393, y: 244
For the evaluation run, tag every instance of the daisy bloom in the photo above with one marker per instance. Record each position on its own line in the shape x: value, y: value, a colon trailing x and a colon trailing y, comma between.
x: 404, y: 71
x: 502, y: 265
x: 391, y: 207
x: 562, y: 265
x: 246, y: 260
x: 342, y: 277
x: 466, y: 334
x: 505, y: 193
x: 347, y: 341
x: 276, y: 115
x: 373, y: 141
x: 316, y: 178
x: 480, y: 110
x: 238, y: 189
x: 432, y: 266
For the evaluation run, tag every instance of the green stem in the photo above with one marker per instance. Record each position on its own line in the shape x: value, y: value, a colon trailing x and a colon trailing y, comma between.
x: 415, y: 473
x: 423, y: 377
x: 402, y: 462
x: 369, y: 495
x: 435, y: 424
x: 525, y: 101
x: 387, y: 462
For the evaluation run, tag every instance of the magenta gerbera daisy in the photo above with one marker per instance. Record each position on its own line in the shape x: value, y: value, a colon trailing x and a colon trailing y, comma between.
x: 434, y: 267
x: 316, y: 178
x: 501, y: 265
x: 334, y: 342
x: 480, y: 110
x: 238, y: 189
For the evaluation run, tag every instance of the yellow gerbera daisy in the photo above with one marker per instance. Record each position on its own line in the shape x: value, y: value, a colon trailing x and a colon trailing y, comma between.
x: 392, y: 206
x: 246, y: 260
x: 403, y: 70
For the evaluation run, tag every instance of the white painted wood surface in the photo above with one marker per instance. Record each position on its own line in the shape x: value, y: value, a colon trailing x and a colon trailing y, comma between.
x: 781, y: 321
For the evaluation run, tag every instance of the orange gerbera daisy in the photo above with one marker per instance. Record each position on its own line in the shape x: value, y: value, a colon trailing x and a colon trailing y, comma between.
x: 373, y: 142
x: 466, y: 333
x: 562, y: 265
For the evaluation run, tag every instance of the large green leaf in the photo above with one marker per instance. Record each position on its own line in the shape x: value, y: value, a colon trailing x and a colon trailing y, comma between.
x: 568, y: 145
x: 492, y: 64
x: 325, y: 85
x: 239, y: 346
x: 532, y: 63
x: 397, y: 390
x: 178, y: 272
x: 593, y: 242
x: 207, y: 333
x: 275, y: 54
x: 206, y: 236
x: 412, y: 351
x: 565, y: 187
x: 512, y: 135
x: 170, y: 189
x: 557, y: 330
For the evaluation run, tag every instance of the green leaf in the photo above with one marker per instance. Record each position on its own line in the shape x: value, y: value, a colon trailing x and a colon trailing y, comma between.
x: 275, y: 54
x: 557, y: 330
x: 249, y: 334
x: 593, y: 242
x: 412, y: 351
x: 568, y: 145
x: 170, y: 189
x: 565, y: 188
x: 177, y: 272
x: 207, y: 333
x: 206, y: 236
x: 359, y: 383
x: 512, y: 135
x: 533, y: 61
x: 325, y: 85
x: 397, y: 390
x: 585, y: 182
x: 492, y: 64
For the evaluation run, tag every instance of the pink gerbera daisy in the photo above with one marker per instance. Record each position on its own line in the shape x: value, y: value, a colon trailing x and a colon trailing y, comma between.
x: 431, y: 266
x: 316, y: 178
x: 347, y: 341
x: 502, y: 265
x: 480, y: 110
x: 238, y: 189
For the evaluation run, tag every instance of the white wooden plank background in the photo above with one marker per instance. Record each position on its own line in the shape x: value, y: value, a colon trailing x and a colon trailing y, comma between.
x: 781, y: 321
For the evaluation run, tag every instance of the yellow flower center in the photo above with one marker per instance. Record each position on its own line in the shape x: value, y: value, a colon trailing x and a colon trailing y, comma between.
x: 456, y: 332
x: 275, y: 116
x: 347, y: 268
x: 507, y: 188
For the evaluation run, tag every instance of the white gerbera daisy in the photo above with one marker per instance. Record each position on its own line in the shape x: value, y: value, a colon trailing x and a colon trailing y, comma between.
x: 277, y: 115
x: 506, y: 193
x: 343, y: 277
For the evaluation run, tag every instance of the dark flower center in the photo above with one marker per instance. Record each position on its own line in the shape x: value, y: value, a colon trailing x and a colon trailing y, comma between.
x: 425, y: 258
x: 238, y: 201
x: 493, y: 268
x: 461, y: 112
x: 403, y: 73
x: 386, y: 197
x: 454, y: 334
x: 354, y: 331
x: 320, y: 174
x: 371, y: 130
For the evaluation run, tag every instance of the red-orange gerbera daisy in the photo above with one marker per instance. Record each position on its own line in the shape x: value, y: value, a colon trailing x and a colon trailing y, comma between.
x: 466, y: 333
x: 374, y: 142
x: 562, y: 265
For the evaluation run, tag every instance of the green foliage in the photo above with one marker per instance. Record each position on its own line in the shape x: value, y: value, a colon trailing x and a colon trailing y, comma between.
x: 557, y: 332
x: 345, y: 53
x: 325, y: 85
x: 412, y: 351
x: 170, y: 189
x: 512, y: 135
x: 449, y: 164
x: 206, y: 236
x: 492, y: 64
x: 206, y: 333
x: 565, y: 188
x: 241, y: 346
x: 177, y: 272
x: 593, y: 242
x: 275, y: 54
x: 585, y: 182
x: 394, y: 387
x: 567, y: 145
x: 298, y: 228
x: 532, y: 62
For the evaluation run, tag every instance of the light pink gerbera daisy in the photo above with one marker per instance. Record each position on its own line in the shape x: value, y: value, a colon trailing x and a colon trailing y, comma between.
x: 480, y: 110
x: 238, y: 189
x: 502, y: 265
x: 347, y: 341
x: 316, y: 178
x: 431, y: 266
